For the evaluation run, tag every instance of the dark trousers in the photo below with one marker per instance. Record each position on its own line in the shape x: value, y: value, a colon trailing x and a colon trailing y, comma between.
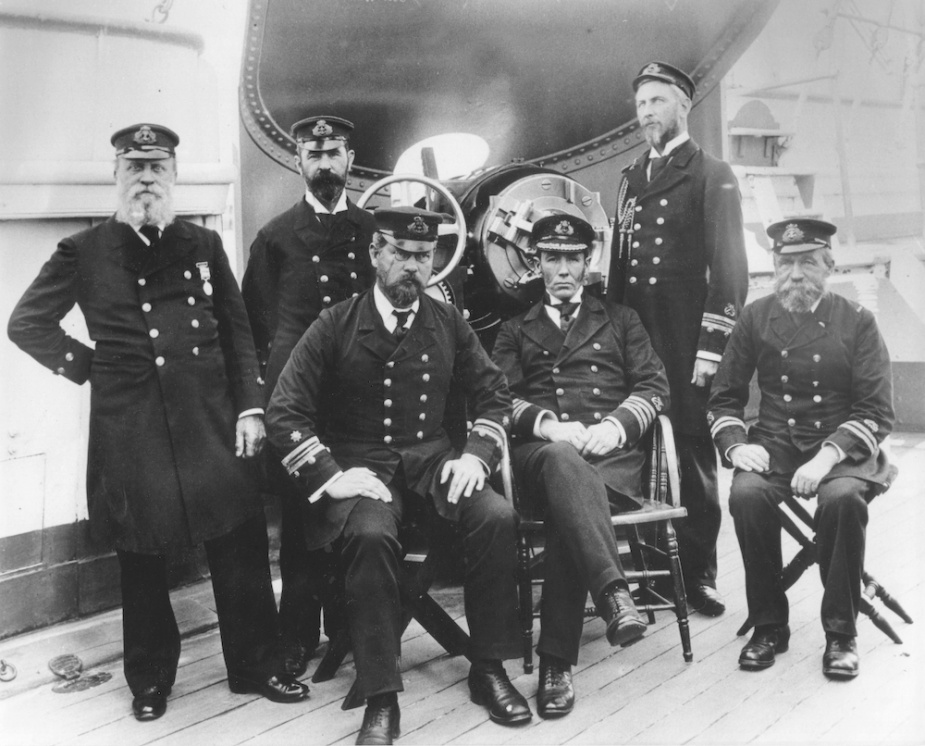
x: 581, y: 549
x: 301, y: 570
x: 840, y: 525
x: 697, y: 533
x: 244, y: 603
x: 371, y: 554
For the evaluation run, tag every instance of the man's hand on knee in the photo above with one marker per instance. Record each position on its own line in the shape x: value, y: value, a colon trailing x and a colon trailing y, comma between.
x: 750, y: 457
x: 468, y: 474
x: 358, y: 482
x: 806, y: 479
x: 603, y: 438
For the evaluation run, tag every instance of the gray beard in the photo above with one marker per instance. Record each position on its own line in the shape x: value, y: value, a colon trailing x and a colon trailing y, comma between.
x: 799, y: 298
x: 401, y: 294
x: 146, y: 209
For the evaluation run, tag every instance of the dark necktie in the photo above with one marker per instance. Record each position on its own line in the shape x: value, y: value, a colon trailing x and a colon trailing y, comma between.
x: 151, y: 233
x: 326, y: 220
x: 402, y: 316
x: 566, y: 315
x: 656, y: 166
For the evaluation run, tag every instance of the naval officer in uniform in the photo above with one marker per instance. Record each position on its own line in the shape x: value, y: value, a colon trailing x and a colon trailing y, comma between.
x: 587, y: 386
x: 175, y: 412
x: 358, y: 414
x: 679, y: 261
x: 306, y: 259
x: 826, y: 405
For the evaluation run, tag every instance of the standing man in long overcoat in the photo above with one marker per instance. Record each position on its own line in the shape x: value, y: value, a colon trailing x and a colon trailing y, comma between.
x: 679, y: 261
x: 587, y: 386
x: 175, y: 412
x: 308, y: 258
x: 359, y: 414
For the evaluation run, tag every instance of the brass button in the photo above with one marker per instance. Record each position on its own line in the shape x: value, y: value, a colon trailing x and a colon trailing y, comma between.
x: 659, y: 241
x: 188, y: 275
x: 387, y: 422
x: 596, y: 392
x: 632, y: 280
x: 788, y: 398
x: 195, y: 350
x: 660, y: 221
x: 634, y: 262
x: 191, y: 300
x: 153, y: 333
x: 422, y: 416
x: 791, y: 422
x: 420, y: 435
x: 60, y: 371
x: 597, y: 416
x: 387, y: 439
x: 817, y: 425
x: 351, y: 255
x: 142, y: 281
x: 784, y: 353
x: 817, y: 358
x: 390, y: 364
x: 545, y: 353
x: 664, y: 202
x: 596, y: 345
x: 388, y: 402
x: 555, y: 370
x: 69, y: 356
x: 323, y: 278
x: 656, y: 260
x: 784, y: 379
x: 423, y: 398
x: 652, y: 280
x: 638, y: 208
x: 425, y: 377
x: 817, y: 398
x: 635, y: 244
x: 353, y: 275
x: 316, y: 259
x: 145, y: 307
x: 425, y: 357
x: 560, y: 392
x: 637, y: 227
x: 565, y: 416
x: 159, y: 360
x: 195, y: 323
x: 326, y: 299
x: 594, y: 369
x: 815, y: 384
x: 387, y: 382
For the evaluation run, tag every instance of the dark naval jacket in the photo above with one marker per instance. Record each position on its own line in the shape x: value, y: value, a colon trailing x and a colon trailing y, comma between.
x: 678, y: 259
x: 172, y: 368
x: 823, y: 376
x: 604, y: 367
x: 298, y: 267
x: 351, y: 395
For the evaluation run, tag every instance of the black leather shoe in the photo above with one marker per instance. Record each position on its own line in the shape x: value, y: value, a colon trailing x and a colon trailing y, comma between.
x: 766, y: 642
x: 555, y: 697
x: 624, y: 624
x: 705, y: 600
x: 490, y: 686
x: 282, y: 688
x: 150, y: 703
x: 295, y: 659
x: 840, y: 660
x: 381, y: 724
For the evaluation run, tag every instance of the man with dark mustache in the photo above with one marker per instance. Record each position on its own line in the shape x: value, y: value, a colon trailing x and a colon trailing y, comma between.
x: 678, y: 260
x: 304, y: 260
x: 358, y: 414
x: 175, y: 410
x: 826, y: 405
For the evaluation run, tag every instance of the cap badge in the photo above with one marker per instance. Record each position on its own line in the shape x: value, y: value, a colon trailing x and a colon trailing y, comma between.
x: 564, y: 228
x: 792, y: 234
x: 651, y: 69
x: 322, y: 129
x: 145, y: 136
x: 418, y: 227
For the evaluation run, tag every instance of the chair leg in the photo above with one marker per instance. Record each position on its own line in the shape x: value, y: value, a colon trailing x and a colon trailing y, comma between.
x: 680, y: 595
x: 640, y: 564
x: 525, y: 598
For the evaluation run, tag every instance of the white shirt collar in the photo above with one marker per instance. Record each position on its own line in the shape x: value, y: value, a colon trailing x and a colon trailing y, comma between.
x: 385, y: 308
x: 672, y: 144
x: 574, y: 299
x: 341, y: 205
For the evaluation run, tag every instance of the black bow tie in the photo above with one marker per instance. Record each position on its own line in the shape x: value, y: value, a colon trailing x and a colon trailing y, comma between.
x: 566, y: 314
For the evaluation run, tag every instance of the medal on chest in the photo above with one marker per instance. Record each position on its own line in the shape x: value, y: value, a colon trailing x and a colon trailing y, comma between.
x: 205, y: 274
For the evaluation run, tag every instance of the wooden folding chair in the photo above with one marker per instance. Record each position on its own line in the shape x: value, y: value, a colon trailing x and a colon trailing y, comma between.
x: 792, y: 510
x: 648, y: 531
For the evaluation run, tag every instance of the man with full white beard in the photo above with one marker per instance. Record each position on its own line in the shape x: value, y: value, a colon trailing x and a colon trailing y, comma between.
x: 175, y: 412
x: 826, y: 405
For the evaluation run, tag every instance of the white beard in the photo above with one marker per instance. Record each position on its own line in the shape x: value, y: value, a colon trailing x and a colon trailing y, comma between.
x: 146, y: 209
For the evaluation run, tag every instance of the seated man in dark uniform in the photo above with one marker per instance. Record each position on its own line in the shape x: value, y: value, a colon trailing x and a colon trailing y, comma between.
x: 826, y: 405
x: 358, y: 413
x: 587, y: 385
